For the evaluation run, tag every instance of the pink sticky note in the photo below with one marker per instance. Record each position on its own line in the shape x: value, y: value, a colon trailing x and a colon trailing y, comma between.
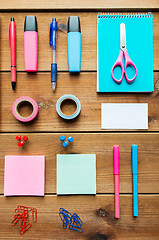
x: 24, y: 176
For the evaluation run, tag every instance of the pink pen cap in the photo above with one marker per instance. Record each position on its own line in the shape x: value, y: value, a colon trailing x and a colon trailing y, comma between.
x: 116, y: 160
x: 30, y: 43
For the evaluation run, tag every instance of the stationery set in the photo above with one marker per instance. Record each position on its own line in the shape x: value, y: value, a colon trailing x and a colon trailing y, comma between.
x: 124, y: 64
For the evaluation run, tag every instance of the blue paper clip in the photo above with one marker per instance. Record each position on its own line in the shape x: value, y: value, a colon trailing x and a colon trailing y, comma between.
x: 65, y: 212
x: 73, y: 220
x: 75, y: 223
x: 65, y: 217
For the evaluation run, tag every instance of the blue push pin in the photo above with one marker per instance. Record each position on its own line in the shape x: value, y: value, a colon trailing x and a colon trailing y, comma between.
x: 65, y: 144
x: 70, y: 139
x: 62, y: 138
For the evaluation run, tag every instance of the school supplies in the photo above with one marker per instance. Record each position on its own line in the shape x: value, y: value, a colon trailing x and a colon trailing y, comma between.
x: 25, y: 138
x: 65, y: 217
x: 119, y: 62
x: 22, y: 214
x: 30, y: 43
x: 21, y: 143
x: 76, y: 174
x: 124, y: 116
x: 24, y: 175
x: 139, y: 38
x: 116, y: 180
x: 62, y: 138
x: 18, y: 137
x: 135, y: 179
x: 74, y: 44
x: 70, y: 139
x: 73, y: 220
x: 12, y: 42
x: 65, y: 143
x: 75, y: 223
x: 22, y: 100
x: 52, y: 41
x: 68, y: 97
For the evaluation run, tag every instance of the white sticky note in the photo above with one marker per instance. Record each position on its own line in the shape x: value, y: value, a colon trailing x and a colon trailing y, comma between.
x: 124, y: 116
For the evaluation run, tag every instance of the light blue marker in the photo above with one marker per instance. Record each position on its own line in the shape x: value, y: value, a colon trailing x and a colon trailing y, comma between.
x: 135, y: 179
x: 74, y: 44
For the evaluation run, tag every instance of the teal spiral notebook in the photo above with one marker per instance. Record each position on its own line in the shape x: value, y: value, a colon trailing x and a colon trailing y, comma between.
x: 139, y: 41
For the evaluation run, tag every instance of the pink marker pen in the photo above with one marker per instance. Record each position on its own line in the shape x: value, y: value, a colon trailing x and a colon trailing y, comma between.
x: 30, y: 44
x: 116, y: 176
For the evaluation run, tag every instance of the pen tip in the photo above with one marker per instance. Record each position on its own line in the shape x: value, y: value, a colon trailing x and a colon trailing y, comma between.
x: 13, y: 85
x: 12, y: 19
x: 53, y: 86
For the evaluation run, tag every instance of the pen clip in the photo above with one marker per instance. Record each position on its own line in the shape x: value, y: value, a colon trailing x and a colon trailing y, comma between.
x: 50, y: 34
x: 9, y: 33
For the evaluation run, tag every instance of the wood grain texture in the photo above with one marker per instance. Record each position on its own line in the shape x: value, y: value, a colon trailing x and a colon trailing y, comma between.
x: 96, y: 212
x: 100, y: 144
x: 38, y: 86
x: 82, y: 4
x: 89, y: 40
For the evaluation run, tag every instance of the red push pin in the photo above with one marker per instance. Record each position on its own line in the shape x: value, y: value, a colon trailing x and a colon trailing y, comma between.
x: 18, y: 137
x: 25, y: 138
x: 21, y: 144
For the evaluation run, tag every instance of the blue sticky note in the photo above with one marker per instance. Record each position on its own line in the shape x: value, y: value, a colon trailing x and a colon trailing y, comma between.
x: 139, y: 43
x: 76, y: 174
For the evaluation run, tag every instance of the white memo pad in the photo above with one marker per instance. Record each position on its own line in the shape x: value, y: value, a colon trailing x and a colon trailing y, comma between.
x: 124, y: 116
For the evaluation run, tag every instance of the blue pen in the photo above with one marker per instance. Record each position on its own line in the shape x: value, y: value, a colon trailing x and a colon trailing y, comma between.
x: 135, y: 179
x: 52, y: 41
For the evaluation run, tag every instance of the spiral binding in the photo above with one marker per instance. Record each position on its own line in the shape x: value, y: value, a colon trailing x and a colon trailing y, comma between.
x: 124, y: 15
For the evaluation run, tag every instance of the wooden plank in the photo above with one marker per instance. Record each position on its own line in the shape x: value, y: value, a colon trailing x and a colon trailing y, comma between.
x: 38, y: 86
x: 89, y: 40
x: 96, y: 212
x: 100, y: 144
x: 82, y: 4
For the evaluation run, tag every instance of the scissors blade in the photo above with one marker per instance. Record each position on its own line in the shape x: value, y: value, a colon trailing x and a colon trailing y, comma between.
x: 122, y: 37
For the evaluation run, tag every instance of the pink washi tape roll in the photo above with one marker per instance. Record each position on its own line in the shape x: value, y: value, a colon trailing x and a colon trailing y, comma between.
x: 16, y: 105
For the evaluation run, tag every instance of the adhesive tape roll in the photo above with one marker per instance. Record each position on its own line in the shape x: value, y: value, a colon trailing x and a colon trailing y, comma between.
x: 67, y: 97
x: 18, y: 102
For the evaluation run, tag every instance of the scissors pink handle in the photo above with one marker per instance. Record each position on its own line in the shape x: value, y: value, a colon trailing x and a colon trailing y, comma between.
x: 128, y: 62
x: 119, y: 63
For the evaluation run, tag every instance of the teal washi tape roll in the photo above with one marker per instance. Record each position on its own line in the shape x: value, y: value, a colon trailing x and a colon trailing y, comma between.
x: 67, y: 97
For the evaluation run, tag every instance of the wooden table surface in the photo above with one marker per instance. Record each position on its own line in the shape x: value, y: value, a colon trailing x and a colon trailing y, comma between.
x: 96, y: 212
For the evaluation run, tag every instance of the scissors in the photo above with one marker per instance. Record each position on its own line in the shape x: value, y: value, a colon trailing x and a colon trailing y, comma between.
x: 119, y: 61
